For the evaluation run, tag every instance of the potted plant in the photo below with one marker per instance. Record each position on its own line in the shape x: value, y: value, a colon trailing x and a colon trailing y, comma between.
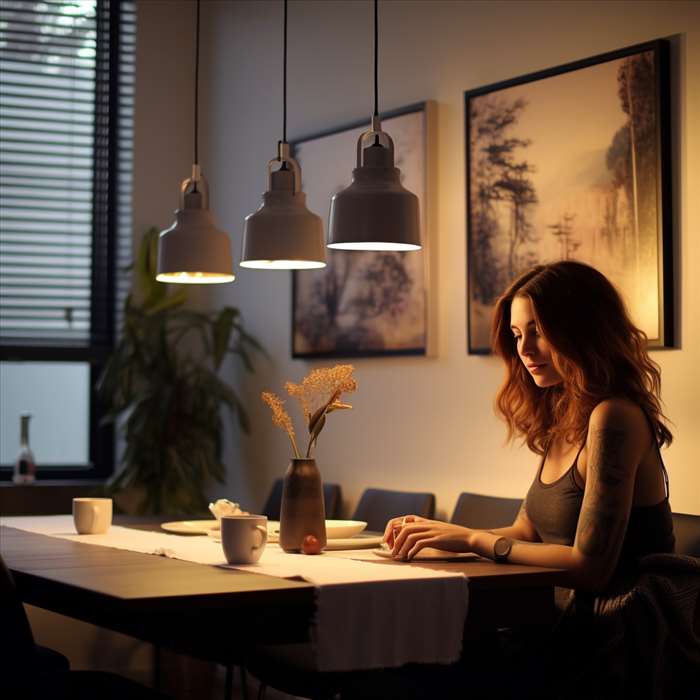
x: 163, y: 380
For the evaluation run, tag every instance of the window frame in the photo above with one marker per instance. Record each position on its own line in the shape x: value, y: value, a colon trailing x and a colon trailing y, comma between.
x: 104, y: 255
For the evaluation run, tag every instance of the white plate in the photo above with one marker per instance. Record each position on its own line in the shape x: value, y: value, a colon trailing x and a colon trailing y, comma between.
x: 360, y: 541
x: 342, y: 529
x: 335, y: 529
x: 429, y: 554
x: 191, y: 527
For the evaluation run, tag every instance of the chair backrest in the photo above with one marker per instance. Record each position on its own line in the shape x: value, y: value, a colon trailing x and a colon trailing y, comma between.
x: 686, y: 528
x: 331, y: 499
x: 378, y: 506
x: 485, y: 512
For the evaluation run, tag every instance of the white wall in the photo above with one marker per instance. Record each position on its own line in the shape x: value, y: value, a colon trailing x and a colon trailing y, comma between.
x: 417, y: 423
x: 163, y: 111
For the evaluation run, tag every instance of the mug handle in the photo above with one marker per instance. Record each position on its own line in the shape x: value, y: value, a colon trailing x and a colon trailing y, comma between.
x: 263, y: 536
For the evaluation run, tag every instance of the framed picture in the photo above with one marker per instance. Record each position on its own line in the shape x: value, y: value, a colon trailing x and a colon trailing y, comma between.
x: 573, y: 162
x: 364, y: 303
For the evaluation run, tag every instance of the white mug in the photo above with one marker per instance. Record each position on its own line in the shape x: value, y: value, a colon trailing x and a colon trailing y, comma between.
x: 92, y: 516
x: 243, y: 537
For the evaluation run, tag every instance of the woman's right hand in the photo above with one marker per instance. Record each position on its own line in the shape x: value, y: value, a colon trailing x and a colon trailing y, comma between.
x: 393, y: 527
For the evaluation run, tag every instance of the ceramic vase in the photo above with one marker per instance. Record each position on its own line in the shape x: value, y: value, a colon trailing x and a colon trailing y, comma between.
x: 303, y: 510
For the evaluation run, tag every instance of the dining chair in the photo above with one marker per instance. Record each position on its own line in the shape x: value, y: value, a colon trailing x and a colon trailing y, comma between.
x: 331, y: 497
x: 485, y: 512
x: 378, y: 506
x: 28, y: 670
x: 686, y: 528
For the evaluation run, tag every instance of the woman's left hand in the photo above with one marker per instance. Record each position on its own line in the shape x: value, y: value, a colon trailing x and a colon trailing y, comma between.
x: 415, y: 536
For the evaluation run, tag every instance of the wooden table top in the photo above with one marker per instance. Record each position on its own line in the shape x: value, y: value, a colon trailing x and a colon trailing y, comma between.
x: 200, y: 610
x: 193, y: 608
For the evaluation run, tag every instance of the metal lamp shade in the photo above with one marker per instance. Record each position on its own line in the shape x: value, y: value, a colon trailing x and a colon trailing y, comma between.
x: 194, y: 251
x: 375, y: 212
x: 283, y: 234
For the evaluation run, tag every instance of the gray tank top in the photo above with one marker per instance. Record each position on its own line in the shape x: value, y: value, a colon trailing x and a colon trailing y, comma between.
x: 554, y: 510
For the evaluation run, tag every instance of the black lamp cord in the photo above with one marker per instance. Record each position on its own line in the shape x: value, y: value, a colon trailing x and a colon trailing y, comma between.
x: 196, y: 95
x: 376, y: 58
x: 284, y: 78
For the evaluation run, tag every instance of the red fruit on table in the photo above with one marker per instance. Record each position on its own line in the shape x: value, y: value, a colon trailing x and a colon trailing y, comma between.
x: 311, y: 545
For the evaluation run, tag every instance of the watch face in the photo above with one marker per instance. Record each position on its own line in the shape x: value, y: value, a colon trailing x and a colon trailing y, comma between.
x: 501, y: 547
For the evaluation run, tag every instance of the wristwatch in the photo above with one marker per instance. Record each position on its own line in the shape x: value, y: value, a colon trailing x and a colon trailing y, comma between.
x: 501, y: 550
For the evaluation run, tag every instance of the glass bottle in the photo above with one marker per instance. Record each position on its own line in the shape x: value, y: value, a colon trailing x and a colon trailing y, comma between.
x: 25, y: 466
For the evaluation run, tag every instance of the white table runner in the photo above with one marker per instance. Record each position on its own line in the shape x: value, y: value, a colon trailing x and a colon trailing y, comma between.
x: 368, y: 615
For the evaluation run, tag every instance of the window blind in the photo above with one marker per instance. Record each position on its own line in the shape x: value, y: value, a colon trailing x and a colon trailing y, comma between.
x: 66, y: 140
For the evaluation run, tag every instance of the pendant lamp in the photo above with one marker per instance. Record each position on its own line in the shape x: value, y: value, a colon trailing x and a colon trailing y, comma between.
x: 375, y: 212
x: 193, y: 250
x: 283, y: 234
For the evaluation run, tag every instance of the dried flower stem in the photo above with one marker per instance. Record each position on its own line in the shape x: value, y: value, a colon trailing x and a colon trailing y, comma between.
x: 319, y: 383
x: 318, y: 420
x: 281, y: 418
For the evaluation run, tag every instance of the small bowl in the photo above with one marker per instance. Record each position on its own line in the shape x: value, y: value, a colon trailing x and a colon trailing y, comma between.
x: 342, y: 529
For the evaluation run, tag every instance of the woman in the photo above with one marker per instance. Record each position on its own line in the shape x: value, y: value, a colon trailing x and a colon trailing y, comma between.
x: 582, y: 392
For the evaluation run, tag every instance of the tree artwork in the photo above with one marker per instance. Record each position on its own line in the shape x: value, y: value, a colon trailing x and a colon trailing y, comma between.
x: 637, y: 98
x: 568, y: 164
x: 365, y: 287
x: 503, y: 195
x: 563, y: 232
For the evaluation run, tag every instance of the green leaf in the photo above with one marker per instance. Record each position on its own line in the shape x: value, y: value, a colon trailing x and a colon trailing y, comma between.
x: 167, y: 302
x: 250, y: 340
x: 245, y: 357
x: 221, y: 332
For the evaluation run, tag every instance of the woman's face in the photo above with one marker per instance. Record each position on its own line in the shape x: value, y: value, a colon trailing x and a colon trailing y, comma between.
x: 533, y: 349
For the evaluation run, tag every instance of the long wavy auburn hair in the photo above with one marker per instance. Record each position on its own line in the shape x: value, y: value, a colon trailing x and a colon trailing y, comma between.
x: 595, y: 347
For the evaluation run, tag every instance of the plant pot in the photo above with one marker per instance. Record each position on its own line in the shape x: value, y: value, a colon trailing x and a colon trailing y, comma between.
x: 303, y: 511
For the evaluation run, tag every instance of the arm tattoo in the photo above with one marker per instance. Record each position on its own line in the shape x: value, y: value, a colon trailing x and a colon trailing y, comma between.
x: 606, y: 445
x: 599, y: 532
x: 603, y: 519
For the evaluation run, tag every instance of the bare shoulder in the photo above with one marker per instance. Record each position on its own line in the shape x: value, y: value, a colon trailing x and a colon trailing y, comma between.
x: 619, y: 414
x: 621, y: 426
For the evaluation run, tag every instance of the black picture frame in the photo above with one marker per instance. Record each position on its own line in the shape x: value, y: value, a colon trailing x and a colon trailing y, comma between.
x: 585, y: 169
x: 405, y: 327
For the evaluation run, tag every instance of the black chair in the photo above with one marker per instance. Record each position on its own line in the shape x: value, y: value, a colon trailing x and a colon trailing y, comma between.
x: 485, y: 512
x: 686, y: 528
x: 331, y: 498
x: 378, y: 506
x: 31, y: 672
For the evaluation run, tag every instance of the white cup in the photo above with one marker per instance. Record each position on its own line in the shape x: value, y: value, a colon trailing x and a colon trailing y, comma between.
x: 92, y: 516
x: 243, y: 537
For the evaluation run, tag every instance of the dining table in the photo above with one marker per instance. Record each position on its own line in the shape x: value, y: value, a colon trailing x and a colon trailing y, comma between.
x: 357, y: 609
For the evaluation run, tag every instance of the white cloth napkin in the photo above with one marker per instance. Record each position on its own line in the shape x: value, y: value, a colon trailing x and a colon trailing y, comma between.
x: 368, y: 615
